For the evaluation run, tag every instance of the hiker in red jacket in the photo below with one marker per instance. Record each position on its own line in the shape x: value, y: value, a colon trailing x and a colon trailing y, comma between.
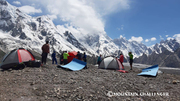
x: 121, y: 59
x: 45, y: 51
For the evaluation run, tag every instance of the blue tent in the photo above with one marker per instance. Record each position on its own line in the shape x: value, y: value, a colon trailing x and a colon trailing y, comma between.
x: 74, y: 65
x: 151, y: 71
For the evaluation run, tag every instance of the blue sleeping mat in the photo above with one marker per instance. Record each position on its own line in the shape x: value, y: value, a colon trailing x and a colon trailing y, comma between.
x: 75, y: 65
x: 151, y: 71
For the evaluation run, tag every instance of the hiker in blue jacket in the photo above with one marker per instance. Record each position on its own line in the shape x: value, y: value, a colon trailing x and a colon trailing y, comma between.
x: 84, y: 57
x: 54, y: 57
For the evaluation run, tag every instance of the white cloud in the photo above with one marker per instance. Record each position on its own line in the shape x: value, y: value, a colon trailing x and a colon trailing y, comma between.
x: 138, y: 39
x: 167, y: 35
x: 122, y: 36
x: 84, y: 14
x: 105, y: 7
x: 30, y: 9
x: 147, y: 40
x: 121, y: 28
x: 161, y: 37
x: 177, y: 37
x: 17, y: 2
x: 170, y: 38
x: 78, y: 14
x: 52, y: 17
x: 153, y: 39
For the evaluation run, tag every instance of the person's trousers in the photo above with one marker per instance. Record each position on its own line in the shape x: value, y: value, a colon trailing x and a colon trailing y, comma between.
x: 44, y: 58
x: 54, y: 59
x: 65, y: 61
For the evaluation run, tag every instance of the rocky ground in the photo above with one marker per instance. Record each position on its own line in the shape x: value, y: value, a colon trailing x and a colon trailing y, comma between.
x: 49, y: 83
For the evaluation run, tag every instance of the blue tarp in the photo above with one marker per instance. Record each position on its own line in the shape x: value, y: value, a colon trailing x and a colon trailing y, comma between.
x: 75, y: 65
x: 151, y: 71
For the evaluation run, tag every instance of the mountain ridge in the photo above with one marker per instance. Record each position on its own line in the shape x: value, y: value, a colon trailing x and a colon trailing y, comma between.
x: 18, y: 29
x: 165, y: 59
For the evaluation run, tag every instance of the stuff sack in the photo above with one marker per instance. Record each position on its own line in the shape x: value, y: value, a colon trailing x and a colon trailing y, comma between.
x: 33, y: 63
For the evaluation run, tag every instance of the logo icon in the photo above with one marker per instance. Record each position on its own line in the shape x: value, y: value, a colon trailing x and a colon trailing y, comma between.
x: 110, y: 94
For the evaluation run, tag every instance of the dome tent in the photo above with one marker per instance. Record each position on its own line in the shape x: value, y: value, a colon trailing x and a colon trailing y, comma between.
x: 111, y: 63
x: 71, y: 56
x: 17, y: 58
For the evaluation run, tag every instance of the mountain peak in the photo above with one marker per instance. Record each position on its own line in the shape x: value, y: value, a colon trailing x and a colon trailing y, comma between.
x: 32, y: 32
x: 3, y: 2
x: 162, y: 41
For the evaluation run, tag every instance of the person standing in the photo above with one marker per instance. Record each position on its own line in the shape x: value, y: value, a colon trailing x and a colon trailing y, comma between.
x: 65, y: 57
x: 78, y: 55
x: 121, y: 59
x: 84, y: 59
x: 45, y: 51
x: 61, y: 58
x: 99, y: 60
x: 54, y: 57
x: 130, y: 59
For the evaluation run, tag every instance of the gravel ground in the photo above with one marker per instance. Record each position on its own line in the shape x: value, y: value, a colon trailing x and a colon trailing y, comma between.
x: 49, y: 83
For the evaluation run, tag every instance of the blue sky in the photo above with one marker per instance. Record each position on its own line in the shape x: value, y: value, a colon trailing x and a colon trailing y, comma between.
x: 146, y: 21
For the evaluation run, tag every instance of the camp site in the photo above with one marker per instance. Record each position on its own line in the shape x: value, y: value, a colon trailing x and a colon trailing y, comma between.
x: 110, y: 81
x: 89, y: 50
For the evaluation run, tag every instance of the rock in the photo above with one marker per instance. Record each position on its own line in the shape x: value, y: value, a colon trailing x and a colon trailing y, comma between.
x: 144, y: 82
x: 32, y: 83
x: 176, y: 81
x: 34, y: 88
x: 151, y: 86
x: 46, y: 97
x: 160, y: 72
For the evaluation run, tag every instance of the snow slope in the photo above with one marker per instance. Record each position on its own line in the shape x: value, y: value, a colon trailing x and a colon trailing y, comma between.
x: 18, y: 29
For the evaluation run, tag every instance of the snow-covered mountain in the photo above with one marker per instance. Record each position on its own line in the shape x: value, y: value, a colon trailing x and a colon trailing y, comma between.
x: 138, y: 49
x: 18, y: 29
x: 131, y: 46
x: 170, y: 45
x: 165, y: 59
x: 21, y: 30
